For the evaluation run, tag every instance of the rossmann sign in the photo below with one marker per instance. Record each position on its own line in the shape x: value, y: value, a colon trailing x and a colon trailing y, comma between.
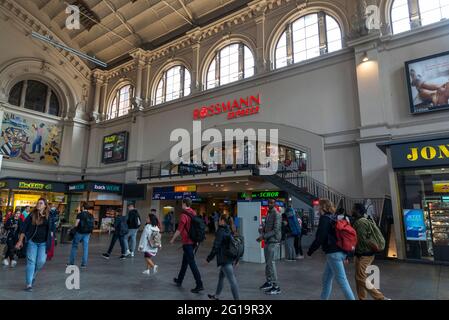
x: 236, y: 108
x: 421, y: 154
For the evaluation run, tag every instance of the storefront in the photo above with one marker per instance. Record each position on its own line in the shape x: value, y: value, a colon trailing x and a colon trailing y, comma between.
x: 18, y: 193
x: 420, y: 193
x: 106, y: 199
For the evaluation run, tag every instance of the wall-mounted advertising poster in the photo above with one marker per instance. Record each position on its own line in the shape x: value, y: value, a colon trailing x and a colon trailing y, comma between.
x: 415, y: 226
x: 115, y: 147
x: 30, y: 140
x: 428, y: 83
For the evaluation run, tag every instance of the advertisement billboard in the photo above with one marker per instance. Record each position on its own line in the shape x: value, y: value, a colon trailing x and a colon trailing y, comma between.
x: 428, y: 83
x: 415, y: 226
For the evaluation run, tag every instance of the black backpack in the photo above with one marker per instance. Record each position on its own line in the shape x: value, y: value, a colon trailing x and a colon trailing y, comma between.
x: 235, y: 248
x: 197, y: 231
x: 86, y: 224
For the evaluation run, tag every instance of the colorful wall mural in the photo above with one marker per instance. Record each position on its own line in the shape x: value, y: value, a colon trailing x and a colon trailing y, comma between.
x: 30, y: 140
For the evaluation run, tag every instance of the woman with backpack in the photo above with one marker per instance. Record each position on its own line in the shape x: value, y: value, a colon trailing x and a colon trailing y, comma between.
x: 224, y: 261
x: 12, y: 227
x: 370, y: 241
x: 150, y: 243
x: 37, y: 230
x: 336, y: 257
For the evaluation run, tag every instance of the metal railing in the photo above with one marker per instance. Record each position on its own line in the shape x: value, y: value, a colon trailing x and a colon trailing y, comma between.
x: 165, y: 169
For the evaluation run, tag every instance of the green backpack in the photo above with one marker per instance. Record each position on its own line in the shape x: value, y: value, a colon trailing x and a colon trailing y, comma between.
x: 373, y: 240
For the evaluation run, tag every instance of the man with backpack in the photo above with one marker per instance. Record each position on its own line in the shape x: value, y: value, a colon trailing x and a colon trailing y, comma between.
x: 120, y: 231
x: 84, y: 225
x: 271, y: 233
x: 370, y: 241
x: 192, y: 230
x: 291, y: 230
x: 133, y: 221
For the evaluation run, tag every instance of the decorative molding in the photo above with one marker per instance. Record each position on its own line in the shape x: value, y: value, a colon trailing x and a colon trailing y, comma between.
x: 26, y: 19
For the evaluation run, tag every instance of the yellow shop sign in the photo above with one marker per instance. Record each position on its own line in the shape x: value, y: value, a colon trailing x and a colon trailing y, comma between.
x: 429, y: 153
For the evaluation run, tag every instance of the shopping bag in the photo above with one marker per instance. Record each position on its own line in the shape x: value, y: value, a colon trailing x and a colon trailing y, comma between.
x: 51, y: 252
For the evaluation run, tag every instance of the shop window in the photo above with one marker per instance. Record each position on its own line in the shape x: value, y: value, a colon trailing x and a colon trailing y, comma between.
x: 232, y: 63
x: 428, y: 12
x: 121, y: 103
x: 174, y: 84
x: 305, y: 38
x: 37, y: 96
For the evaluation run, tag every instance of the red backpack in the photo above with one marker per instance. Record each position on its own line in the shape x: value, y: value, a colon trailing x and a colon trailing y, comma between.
x: 346, y: 235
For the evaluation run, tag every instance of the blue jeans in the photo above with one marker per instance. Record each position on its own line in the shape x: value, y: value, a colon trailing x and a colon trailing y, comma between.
x: 227, y: 271
x: 37, y: 143
x: 84, y: 237
x: 335, y: 268
x: 188, y: 259
x: 36, y: 257
x: 132, y: 234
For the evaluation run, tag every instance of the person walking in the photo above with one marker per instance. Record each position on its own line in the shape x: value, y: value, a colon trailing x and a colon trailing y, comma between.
x: 38, y: 230
x: 368, y: 239
x: 150, y: 243
x: 26, y: 213
x: 120, y: 231
x: 133, y: 222
x: 304, y: 231
x: 216, y: 220
x: 291, y: 229
x: 84, y: 225
x: 271, y: 234
x: 12, y: 227
x: 224, y: 261
x: 188, y: 246
x: 336, y: 258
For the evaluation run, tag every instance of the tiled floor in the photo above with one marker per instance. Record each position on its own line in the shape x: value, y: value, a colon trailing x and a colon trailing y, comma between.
x: 115, y: 279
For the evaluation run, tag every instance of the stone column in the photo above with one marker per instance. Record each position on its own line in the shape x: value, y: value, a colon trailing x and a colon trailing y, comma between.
x: 147, y: 86
x: 47, y: 100
x: 98, y: 82
x: 104, y: 100
x: 196, y: 83
x: 261, y: 61
x: 23, y: 93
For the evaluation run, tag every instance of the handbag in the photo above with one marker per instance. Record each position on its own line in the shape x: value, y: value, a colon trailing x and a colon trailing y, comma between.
x: 51, y: 252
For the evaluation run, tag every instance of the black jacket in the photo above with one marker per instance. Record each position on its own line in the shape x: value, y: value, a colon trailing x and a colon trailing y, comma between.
x: 29, y: 230
x: 13, y: 226
x: 133, y: 219
x: 221, y: 242
x: 325, y: 235
x: 120, y: 226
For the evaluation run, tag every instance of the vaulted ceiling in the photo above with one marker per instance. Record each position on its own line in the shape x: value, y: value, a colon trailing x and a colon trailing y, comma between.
x: 111, y: 28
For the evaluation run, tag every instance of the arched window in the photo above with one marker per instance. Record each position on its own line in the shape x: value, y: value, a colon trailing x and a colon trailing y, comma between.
x: 232, y: 63
x: 308, y: 37
x: 121, y: 103
x: 35, y: 95
x: 174, y: 84
x: 428, y: 12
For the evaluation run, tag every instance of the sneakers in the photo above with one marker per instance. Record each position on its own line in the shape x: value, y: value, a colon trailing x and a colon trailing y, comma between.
x: 197, y: 289
x: 274, y: 290
x: 266, y: 286
x: 299, y: 257
x: 106, y: 256
x: 290, y: 260
x: 127, y: 253
x: 13, y: 263
x: 29, y: 289
x: 147, y: 272
x: 83, y: 266
x: 5, y: 262
x: 177, y: 282
x: 212, y: 297
x: 132, y: 254
x: 122, y: 257
x: 155, y: 268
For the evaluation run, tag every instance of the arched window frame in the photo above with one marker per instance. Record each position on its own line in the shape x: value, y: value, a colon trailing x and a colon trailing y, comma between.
x: 416, y: 15
x: 216, y: 60
x: 50, y: 92
x: 114, y: 112
x: 323, y: 30
x: 162, y: 79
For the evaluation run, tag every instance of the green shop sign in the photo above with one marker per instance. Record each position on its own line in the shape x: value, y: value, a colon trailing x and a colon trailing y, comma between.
x: 34, y: 185
x: 261, y: 195
x: 107, y: 187
x: 77, y: 187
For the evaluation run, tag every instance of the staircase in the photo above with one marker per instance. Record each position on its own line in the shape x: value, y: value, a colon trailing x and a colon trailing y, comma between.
x: 307, y: 189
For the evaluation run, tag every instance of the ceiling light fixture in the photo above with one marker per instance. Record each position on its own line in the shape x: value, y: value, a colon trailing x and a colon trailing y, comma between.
x: 365, y: 57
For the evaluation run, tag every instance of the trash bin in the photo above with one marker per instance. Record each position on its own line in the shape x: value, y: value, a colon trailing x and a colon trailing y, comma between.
x: 65, y: 234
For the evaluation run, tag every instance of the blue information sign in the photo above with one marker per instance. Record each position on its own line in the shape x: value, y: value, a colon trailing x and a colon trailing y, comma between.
x: 415, y: 226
